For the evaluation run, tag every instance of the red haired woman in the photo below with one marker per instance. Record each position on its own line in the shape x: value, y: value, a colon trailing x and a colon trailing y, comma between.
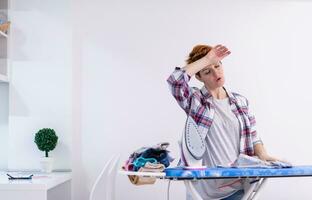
x: 222, y: 116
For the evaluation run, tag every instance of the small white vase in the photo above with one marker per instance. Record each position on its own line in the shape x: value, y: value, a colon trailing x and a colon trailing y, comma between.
x: 46, y: 164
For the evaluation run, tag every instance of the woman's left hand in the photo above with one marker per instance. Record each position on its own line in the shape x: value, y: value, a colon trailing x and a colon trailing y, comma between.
x: 268, y: 158
x: 263, y: 155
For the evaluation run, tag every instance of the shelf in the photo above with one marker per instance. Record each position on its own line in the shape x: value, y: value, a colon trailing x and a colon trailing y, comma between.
x: 3, y: 34
x: 3, y: 79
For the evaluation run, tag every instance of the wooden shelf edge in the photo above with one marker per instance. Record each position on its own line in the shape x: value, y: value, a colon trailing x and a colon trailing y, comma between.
x: 3, y: 34
x: 3, y: 79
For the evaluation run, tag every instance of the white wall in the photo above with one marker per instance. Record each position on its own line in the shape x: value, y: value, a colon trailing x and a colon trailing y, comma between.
x: 41, y: 84
x: 126, y: 50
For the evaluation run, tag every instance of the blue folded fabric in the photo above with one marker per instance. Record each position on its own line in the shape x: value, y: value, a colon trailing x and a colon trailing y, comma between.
x: 245, y: 161
x: 140, y: 162
x: 279, y: 164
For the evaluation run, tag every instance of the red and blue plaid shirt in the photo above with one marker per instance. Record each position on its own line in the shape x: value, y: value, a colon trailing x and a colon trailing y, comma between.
x: 197, y: 103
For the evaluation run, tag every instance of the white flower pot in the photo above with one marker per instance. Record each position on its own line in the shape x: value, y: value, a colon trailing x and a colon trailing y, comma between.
x: 46, y: 164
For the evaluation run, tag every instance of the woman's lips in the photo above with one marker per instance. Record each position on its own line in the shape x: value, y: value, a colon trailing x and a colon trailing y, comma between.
x: 218, y: 79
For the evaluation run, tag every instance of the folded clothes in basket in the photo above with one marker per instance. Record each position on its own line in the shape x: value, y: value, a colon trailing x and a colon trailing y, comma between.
x: 148, y: 159
x: 157, y: 154
x: 152, y: 167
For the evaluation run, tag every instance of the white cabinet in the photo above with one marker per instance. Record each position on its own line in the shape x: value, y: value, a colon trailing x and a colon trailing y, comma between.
x: 50, y: 186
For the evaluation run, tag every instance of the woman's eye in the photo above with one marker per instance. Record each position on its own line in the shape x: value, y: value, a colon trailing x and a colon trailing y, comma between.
x: 217, y: 66
x: 207, y: 72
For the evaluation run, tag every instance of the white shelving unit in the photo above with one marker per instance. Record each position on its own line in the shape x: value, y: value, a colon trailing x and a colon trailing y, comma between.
x: 4, y: 79
x: 4, y: 40
x: 3, y: 34
x: 4, y: 86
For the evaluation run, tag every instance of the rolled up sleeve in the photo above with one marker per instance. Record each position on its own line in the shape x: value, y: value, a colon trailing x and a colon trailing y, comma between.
x: 181, y: 91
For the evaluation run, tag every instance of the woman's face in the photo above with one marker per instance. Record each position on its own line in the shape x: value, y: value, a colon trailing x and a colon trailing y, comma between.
x: 212, y: 76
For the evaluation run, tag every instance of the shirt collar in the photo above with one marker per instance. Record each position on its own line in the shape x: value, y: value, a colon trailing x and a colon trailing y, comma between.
x: 208, y: 96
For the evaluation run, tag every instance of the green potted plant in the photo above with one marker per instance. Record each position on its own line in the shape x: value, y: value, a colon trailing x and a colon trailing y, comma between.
x: 46, y: 141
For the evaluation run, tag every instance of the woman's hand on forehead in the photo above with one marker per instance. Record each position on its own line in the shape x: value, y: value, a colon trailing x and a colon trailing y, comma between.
x: 217, y: 53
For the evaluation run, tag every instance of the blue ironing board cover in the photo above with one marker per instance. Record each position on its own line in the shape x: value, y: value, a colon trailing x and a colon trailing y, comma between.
x: 214, y: 173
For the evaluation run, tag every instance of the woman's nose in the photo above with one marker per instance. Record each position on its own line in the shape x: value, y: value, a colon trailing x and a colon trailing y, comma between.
x: 215, y: 73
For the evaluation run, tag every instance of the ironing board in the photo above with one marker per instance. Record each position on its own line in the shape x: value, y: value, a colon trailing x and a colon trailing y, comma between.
x: 261, y: 174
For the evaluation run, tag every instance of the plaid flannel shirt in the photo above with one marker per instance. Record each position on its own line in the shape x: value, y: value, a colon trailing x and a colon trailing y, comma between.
x: 197, y: 103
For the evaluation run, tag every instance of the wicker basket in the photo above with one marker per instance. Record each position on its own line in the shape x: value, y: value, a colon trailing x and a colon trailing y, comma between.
x: 5, y: 27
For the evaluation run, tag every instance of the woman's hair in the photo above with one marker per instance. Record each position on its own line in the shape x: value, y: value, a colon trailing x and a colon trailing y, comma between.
x: 197, y: 53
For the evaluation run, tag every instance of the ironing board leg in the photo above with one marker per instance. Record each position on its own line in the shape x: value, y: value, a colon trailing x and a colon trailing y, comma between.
x: 192, y: 190
x: 257, y: 192
x: 249, y: 192
x: 168, y: 190
x: 254, y: 190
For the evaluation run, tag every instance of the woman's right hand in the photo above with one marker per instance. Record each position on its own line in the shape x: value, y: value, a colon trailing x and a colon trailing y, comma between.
x: 214, y: 56
x: 217, y: 53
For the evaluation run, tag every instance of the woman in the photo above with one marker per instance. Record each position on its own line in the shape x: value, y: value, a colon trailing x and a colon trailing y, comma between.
x: 222, y: 114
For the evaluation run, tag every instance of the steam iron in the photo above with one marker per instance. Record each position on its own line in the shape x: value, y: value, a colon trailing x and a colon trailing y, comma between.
x: 193, y: 145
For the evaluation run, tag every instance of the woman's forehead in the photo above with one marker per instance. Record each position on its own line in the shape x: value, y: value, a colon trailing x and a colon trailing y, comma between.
x: 211, y: 66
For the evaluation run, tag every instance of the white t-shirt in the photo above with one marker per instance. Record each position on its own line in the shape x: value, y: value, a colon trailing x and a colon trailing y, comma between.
x: 222, y: 143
